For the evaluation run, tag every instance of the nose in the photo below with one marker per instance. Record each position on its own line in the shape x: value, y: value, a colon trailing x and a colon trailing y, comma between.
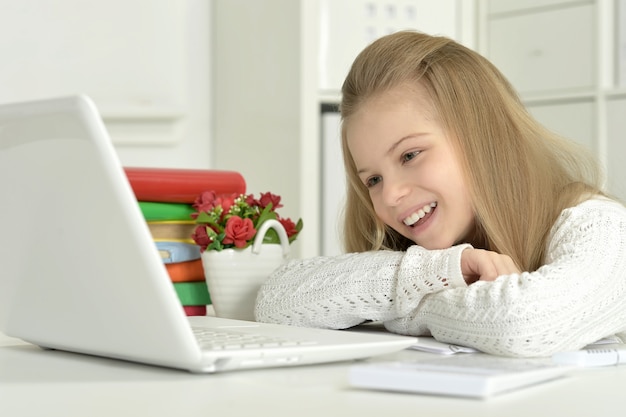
x: 394, y: 190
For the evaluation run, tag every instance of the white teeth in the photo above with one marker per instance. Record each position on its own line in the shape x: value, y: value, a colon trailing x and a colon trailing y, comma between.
x: 419, y: 214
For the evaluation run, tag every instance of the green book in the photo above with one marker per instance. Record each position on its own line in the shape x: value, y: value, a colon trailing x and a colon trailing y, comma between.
x: 192, y: 293
x: 154, y: 211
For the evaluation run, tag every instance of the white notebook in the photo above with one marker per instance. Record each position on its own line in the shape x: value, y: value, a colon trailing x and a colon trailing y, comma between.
x: 464, y: 375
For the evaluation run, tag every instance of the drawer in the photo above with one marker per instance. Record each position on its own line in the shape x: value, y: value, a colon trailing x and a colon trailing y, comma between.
x: 616, y: 147
x: 574, y: 120
x: 546, y: 52
x: 348, y: 26
x: 508, y: 6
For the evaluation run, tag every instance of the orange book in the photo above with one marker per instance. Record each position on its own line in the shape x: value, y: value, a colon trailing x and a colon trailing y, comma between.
x: 174, y: 185
x: 189, y: 271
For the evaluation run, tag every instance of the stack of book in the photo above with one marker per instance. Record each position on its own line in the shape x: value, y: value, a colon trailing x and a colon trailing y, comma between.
x: 165, y: 197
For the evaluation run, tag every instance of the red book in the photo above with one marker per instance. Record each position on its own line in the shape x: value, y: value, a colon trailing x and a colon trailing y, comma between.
x: 174, y: 185
x: 195, y: 310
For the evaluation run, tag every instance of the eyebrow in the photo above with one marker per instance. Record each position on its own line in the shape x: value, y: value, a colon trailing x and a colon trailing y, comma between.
x: 395, y: 145
x: 399, y: 142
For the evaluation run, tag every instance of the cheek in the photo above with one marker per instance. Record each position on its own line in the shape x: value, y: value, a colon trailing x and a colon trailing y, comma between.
x: 379, y: 209
x: 466, y: 216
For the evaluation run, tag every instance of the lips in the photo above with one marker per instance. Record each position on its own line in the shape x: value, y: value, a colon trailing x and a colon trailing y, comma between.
x: 420, y: 214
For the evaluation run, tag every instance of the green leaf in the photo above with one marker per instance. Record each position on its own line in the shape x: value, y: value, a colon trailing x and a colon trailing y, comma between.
x: 215, y: 245
x: 266, y: 214
x: 299, y: 229
x: 208, y: 217
x: 271, y: 237
x: 204, y: 217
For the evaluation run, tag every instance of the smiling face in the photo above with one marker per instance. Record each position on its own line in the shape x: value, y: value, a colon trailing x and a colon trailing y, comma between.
x: 410, y: 168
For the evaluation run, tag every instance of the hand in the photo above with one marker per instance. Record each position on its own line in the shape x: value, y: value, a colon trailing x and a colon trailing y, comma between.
x: 479, y: 264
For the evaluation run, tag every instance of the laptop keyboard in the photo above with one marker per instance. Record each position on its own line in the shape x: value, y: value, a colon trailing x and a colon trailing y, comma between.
x: 211, y: 339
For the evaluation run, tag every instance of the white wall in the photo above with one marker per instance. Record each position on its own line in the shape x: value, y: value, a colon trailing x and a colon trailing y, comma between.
x: 268, y: 88
x: 145, y: 63
x: 202, y: 83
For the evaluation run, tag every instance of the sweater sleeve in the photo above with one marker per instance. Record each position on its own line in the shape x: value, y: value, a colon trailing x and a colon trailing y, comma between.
x: 576, y: 298
x: 343, y: 291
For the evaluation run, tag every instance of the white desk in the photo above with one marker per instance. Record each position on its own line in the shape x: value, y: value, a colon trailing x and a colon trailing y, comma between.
x: 34, y: 382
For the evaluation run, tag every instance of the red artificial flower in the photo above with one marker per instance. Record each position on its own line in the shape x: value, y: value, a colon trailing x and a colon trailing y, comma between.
x: 226, y: 202
x: 238, y: 231
x: 289, y: 225
x: 227, y: 221
x: 267, y: 198
x: 251, y: 201
x: 201, y: 237
x: 205, y: 201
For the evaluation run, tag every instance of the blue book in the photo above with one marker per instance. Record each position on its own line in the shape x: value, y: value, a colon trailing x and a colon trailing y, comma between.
x: 172, y: 251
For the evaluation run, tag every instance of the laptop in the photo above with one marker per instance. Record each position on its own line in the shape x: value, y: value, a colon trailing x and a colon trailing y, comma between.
x: 81, y: 273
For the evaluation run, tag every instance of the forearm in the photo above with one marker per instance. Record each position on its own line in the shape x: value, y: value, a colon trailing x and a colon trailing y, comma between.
x: 522, y: 315
x: 344, y: 291
x: 578, y: 297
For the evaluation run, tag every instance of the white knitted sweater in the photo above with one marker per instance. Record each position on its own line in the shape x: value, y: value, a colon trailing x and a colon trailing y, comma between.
x: 578, y: 297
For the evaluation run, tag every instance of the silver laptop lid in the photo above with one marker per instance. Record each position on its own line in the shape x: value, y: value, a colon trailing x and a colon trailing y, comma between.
x: 79, y: 270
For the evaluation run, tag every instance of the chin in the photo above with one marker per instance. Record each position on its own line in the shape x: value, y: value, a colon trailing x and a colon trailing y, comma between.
x: 435, y: 245
x: 438, y: 247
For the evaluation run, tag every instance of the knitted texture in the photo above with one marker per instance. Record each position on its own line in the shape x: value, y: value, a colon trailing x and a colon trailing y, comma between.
x: 577, y: 297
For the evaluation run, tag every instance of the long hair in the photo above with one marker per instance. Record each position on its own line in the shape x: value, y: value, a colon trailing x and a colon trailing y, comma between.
x: 520, y: 175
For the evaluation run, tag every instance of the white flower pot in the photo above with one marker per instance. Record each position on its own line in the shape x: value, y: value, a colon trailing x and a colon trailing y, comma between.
x: 234, y: 276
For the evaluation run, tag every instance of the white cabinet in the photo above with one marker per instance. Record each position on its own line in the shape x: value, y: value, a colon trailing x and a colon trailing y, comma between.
x: 546, y: 51
x: 563, y: 57
x: 574, y: 119
x: 616, y: 149
x: 508, y: 6
x: 275, y: 63
x: 144, y: 63
x: 347, y: 26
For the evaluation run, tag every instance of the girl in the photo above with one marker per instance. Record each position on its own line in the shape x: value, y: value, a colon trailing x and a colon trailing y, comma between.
x: 465, y: 219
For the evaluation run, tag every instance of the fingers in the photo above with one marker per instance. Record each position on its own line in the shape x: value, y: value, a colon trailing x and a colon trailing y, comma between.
x: 500, y: 265
x: 479, y: 264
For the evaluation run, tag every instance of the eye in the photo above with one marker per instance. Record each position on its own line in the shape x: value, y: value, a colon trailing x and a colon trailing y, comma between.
x: 372, y: 181
x: 406, y: 157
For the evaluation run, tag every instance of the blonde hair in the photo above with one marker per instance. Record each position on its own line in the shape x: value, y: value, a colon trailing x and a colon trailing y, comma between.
x: 520, y: 175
